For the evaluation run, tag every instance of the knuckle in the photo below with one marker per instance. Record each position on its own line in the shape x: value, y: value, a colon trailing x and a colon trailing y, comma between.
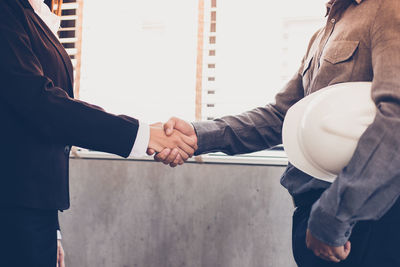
x: 159, y: 158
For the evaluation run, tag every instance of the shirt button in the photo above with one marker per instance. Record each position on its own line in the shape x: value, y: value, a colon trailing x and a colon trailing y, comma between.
x: 347, y: 234
x: 66, y: 149
x: 333, y: 21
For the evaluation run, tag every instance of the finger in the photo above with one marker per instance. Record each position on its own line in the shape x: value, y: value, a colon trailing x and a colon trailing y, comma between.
x: 177, y: 160
x: 333, y: 258
x: 344, y: 251
x: 185, y: 156
x: 190, y: 141
x: 169, y: 126
x: 339, y: 253
x: 162, y: 155
x: 329, y: 258
x: 181, y: 161
x: 323, y: 255
x: 150, y: 151
x: 171, y: 157
x: 189, y: 151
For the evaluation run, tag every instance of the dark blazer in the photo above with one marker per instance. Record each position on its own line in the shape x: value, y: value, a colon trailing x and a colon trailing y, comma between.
x: 39, y: 118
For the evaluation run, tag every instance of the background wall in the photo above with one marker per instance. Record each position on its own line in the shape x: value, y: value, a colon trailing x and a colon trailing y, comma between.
x: 128, y: 213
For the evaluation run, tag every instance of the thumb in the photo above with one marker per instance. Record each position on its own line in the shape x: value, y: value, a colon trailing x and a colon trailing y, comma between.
x: 347, y: 247
x: 150, y: 151
x: 346, y: 250
x: 169, y: 126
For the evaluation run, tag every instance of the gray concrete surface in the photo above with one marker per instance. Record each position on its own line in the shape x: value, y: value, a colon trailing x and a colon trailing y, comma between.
x: 144, y: 214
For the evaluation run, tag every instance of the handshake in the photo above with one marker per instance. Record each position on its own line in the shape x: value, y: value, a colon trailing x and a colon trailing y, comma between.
x: 173, y: 142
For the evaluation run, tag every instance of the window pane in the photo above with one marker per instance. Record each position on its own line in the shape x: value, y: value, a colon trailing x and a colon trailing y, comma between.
x: 260, y: 46
x: 138, y: 55
x: 143, y: 55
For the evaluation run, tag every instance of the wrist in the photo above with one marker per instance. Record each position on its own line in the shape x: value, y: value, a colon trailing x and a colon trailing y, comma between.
x: 142, y: 140
x: 59, y: 236
x: 155, y: 138
x: 328, y: 228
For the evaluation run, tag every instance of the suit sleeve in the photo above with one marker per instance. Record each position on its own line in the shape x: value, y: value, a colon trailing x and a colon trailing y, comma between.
x: 47, y: 110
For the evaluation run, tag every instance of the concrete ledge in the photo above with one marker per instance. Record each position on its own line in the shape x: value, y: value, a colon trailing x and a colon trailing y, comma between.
x: 144, y: 214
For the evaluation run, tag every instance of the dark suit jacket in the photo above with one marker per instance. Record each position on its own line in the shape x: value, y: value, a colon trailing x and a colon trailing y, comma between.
x: 39, y: 118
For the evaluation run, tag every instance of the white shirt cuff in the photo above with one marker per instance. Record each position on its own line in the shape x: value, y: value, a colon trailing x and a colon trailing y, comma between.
x: 59, y: 237
x: 142, y: 141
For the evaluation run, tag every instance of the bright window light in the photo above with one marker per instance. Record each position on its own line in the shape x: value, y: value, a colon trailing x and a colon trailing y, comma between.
x: 139, y: 57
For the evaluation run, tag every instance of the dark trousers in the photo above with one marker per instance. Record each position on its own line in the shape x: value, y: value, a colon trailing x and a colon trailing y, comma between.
x: 373, y: 243
x: 28, y: 237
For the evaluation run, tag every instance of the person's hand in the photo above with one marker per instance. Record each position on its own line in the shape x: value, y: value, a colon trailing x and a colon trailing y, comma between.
x: 182, y: 145
x: 60, y: 255
x: 325, y: 252
x: 172, y: 157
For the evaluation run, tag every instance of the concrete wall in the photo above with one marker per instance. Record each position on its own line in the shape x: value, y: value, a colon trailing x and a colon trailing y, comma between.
x: 144, y: 214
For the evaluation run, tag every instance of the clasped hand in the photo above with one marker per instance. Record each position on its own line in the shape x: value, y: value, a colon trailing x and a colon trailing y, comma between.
x: 174, y: 142
x: 326, y: 252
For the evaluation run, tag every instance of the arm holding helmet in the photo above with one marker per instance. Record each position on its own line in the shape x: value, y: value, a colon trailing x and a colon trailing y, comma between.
x: 369, y: 186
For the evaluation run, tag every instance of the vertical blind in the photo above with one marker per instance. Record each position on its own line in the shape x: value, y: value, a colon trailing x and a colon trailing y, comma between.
x: 250, y: 49
x: 70, y: 36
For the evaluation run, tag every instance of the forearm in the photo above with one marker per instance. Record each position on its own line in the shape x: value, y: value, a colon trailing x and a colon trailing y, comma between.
x: 244, y: 133
x: 366, y: 189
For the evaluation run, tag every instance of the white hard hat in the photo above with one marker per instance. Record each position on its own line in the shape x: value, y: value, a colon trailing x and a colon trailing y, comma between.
x: 321, y: 131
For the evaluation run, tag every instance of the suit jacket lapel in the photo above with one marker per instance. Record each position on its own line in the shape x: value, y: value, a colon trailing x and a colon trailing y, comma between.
x: 59, y: 47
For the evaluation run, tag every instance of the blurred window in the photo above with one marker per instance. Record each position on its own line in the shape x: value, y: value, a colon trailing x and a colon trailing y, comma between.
x: 200, y: 59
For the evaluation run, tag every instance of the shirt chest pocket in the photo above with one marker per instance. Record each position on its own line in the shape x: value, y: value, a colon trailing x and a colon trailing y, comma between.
x: 340, y: 51
x: 338, y: 61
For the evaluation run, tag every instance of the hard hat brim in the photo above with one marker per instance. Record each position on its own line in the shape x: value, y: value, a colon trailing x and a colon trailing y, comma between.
x: 292, y: 126
x: 292, y: 144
